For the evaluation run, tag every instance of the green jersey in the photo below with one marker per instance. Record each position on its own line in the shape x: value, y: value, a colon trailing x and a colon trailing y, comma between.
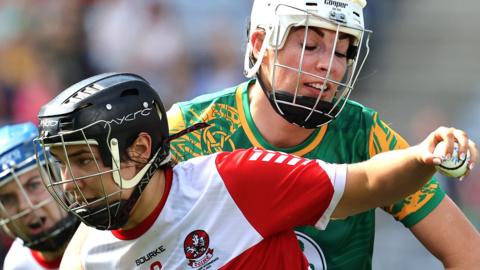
x: 356, y: 135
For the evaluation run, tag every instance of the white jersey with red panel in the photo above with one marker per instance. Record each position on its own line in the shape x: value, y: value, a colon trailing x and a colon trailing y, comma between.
x: 20, y: 257
x: 226, y: 211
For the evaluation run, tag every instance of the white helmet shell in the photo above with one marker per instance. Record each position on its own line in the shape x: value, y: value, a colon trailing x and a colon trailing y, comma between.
x: 276, y: 18
x: 280, y: 15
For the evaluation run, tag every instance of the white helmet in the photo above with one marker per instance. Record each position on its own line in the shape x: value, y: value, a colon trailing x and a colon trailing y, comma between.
x: 276, y: 18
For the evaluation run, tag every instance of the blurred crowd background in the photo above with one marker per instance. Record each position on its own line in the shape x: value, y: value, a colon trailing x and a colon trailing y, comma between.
x: 423, y: 70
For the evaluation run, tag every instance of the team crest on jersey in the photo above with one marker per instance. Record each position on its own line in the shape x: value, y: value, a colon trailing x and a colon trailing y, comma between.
x: 197, y: 249
x: 312, y: 251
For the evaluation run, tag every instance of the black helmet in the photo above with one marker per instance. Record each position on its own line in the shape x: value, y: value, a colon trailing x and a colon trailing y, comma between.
x: 108, y: 111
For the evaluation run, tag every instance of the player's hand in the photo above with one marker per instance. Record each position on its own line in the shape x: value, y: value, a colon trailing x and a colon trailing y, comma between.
x: 449, y: 136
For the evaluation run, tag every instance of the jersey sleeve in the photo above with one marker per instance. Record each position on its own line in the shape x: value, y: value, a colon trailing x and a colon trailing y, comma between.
x: 182, y: 148
x: 417, y: 206
x: 276, y: 191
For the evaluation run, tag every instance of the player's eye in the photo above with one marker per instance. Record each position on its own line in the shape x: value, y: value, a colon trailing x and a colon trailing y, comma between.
x: 34, y: 186
x: 8, y: 201
x: 341, y: 54
x: 309, y: 47
x: 82, y: 160
x: 85, y: 161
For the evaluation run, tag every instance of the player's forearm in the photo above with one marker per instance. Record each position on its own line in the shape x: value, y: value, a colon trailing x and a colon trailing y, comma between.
x: 396, y: 174
x: 383, y: 180
x: 450, y: 236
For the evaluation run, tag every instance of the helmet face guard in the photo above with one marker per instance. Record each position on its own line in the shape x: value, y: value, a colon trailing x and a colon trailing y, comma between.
x: 38, y: 221
x: 103, y: 115
x: 108, y: 210
x: 278, y: 18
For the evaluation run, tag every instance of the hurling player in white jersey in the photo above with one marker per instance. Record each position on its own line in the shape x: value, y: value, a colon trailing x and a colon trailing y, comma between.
x: 27, y: 211
x: 230, y: 210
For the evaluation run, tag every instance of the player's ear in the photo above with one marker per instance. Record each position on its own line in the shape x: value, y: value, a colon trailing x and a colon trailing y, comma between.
x: 256, y: 40
x: 141, y: 149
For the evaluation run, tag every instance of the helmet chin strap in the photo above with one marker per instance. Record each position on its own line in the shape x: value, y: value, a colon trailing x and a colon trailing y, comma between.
x: 115, y: 215
x: 129, y: 183
x: 298, y: 114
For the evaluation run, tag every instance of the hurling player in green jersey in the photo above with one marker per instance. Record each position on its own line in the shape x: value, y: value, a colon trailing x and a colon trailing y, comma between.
x: 302, y: 60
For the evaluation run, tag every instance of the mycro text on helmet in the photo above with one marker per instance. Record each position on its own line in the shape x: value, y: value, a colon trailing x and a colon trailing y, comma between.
x: 131, y: 116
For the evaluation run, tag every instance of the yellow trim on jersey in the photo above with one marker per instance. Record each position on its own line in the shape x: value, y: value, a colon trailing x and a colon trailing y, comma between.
x: 251, y: 137
x: 382, y: 138
x: 414, y: 202
x: 314, y: 143
x: 243, y: 118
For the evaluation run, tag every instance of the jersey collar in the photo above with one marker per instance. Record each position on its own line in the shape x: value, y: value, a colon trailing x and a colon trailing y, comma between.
x: 55, y: 264
x: 141, y: 228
